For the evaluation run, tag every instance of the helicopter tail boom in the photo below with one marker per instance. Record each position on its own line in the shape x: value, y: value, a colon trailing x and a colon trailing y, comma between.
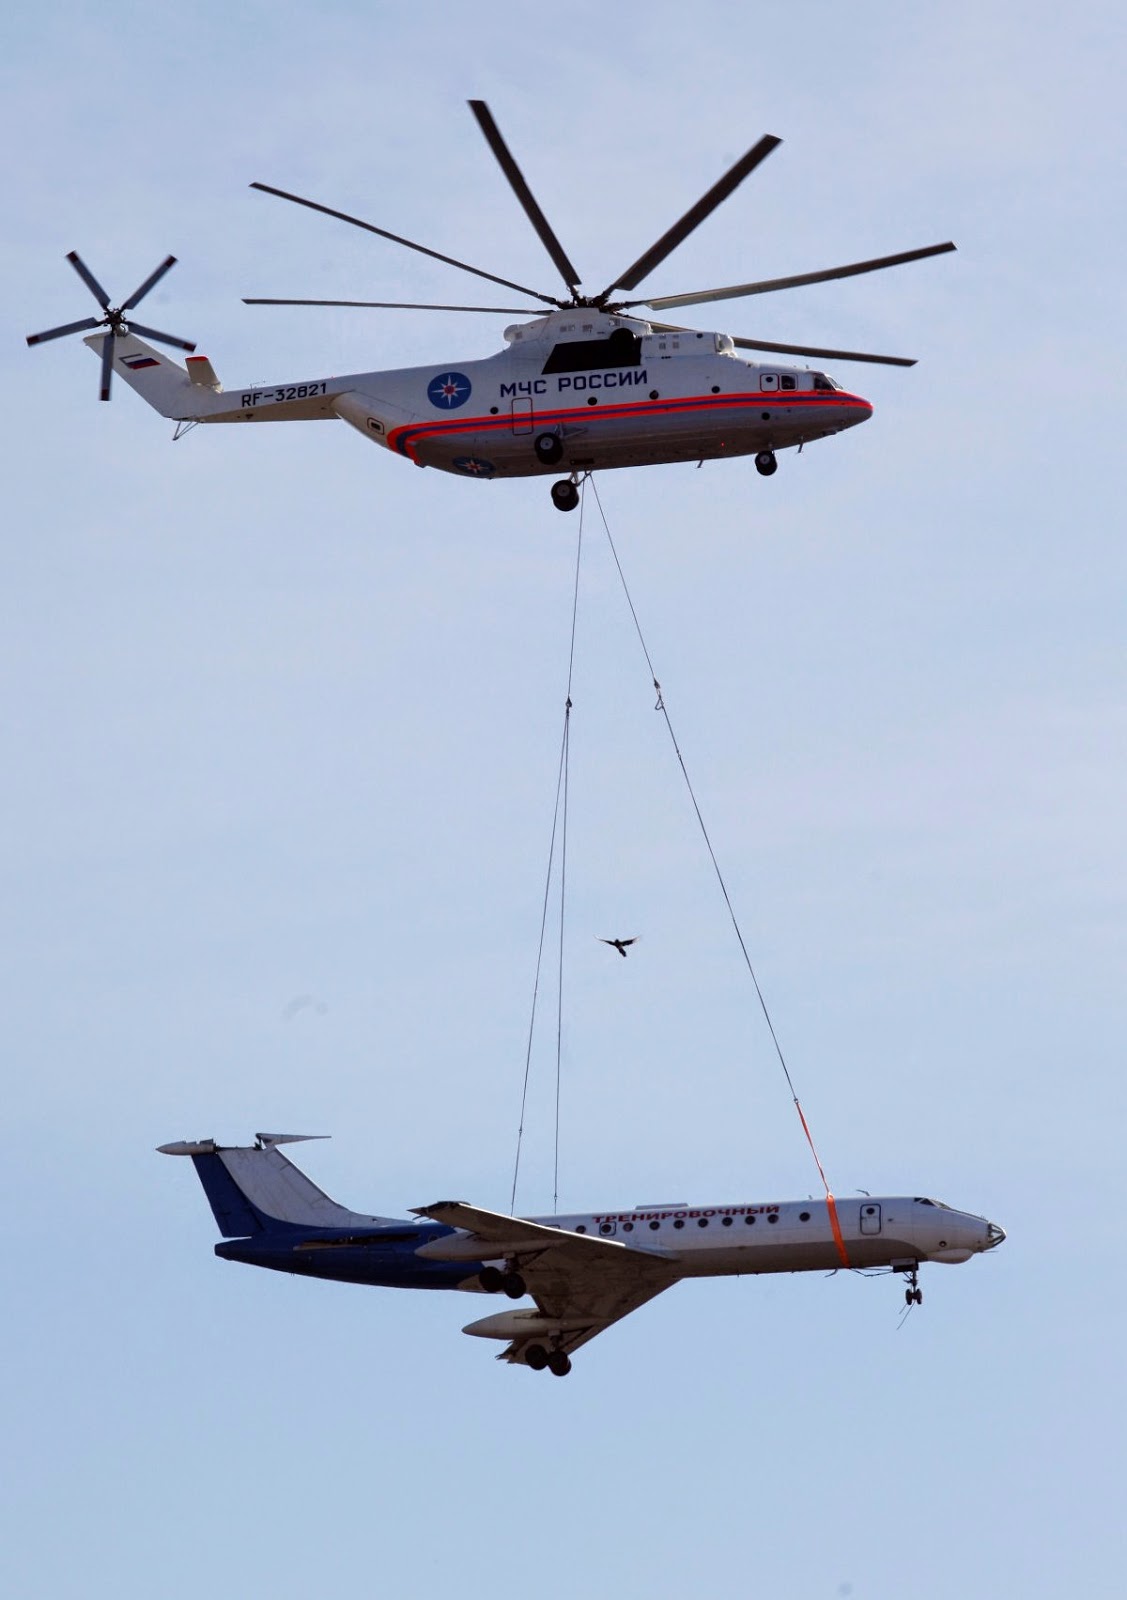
x: 194, y: 393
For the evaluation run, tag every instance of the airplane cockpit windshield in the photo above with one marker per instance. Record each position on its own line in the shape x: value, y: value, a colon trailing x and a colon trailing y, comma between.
x: 821, y: 381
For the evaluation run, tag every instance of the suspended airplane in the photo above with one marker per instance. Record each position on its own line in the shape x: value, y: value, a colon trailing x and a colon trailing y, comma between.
x: 583, y: 1271
x: 584, y: 386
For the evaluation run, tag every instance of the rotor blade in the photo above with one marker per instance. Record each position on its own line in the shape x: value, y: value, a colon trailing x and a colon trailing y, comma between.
x: 107, y: 365
x: 165, y: 338
x: 834, y: 355
x: 794, y: 349
x: 524, y: 194
x: 769, y: 285
x: 154, y: 278
x: 397, y: 305
x: 451, y: 261
x: 693, y: 217
x: 89, y: 279
x: 68, y: 327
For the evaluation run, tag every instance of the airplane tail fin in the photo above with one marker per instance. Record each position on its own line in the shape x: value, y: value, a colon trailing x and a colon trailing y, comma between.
x: 180, y: 393
x: 253, y: 1189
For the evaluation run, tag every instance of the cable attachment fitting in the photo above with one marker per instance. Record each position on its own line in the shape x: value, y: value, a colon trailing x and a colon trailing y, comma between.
x: 659, y: 704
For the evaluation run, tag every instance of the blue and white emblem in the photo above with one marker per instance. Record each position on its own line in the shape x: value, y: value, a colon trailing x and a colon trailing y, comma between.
x: 449, y: 390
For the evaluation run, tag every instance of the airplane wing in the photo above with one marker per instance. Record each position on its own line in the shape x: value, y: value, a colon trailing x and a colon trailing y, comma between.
x: 581, y: 1283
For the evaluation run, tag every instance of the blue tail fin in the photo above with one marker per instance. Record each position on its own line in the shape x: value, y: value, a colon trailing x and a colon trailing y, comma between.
x: 253, y: 1189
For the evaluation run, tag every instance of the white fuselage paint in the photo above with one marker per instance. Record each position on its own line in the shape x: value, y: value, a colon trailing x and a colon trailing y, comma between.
x: 668, y: 396
x: 791, y: 1236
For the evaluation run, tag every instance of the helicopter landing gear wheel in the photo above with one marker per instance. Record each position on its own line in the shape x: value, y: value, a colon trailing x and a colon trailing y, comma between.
x: 766, y: 463
x: 548, y: 448
x: 565, y: 495
x: 559, y: 1363
x: 513, y: 1285
x: 536, y: 1357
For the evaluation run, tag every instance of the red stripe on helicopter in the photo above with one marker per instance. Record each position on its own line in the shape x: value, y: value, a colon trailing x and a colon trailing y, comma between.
x: 405, y: 439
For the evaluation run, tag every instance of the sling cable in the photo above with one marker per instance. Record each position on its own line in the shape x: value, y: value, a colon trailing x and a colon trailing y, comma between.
x: 831, y: 1206
x: 559, y: 830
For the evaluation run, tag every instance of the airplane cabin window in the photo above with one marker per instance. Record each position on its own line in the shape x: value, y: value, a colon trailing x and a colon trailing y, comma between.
x: 654, y: 1226
x: 628, y: 1227
x: 804, y: 1216
x: 702, y: 1222
x: 604, y: 1227
x: 581, y: 1227
x: 749, y: 1219
x: 678, y: 1223
x: 726, y: 1221
x: 774, y: 1217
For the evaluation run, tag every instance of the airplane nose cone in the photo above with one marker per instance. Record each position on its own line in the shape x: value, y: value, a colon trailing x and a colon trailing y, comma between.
x: 994, y: 1235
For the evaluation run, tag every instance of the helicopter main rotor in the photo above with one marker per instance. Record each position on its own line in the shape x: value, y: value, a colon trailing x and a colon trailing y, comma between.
x: 633, y: 275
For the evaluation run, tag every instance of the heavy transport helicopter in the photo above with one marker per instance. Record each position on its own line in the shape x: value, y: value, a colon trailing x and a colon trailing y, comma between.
x: 582, y: 387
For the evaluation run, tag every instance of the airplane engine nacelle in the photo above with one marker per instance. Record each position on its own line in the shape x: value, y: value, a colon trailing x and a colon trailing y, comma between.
x: 523, y: 1324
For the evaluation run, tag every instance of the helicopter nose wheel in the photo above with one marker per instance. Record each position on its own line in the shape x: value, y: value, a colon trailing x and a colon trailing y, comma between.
x: 548, y: 448
x: 766, y: 463
x: 565, y: 495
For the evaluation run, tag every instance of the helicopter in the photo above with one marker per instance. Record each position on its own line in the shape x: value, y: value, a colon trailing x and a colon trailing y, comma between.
x: 586, y: 385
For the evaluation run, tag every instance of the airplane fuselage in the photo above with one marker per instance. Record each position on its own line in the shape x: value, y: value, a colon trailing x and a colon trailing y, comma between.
x: 692, y: 1242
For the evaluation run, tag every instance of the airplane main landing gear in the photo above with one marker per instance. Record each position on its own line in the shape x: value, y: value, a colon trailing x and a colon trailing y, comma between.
x: 494, y: 1281
x: 558, y: 1362
x: 766, y: 463
x: 565, y: 495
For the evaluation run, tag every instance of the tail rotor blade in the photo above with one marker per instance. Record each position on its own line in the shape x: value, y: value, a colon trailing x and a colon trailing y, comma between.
x: 107, y: 365
x: 89, y: 279
x: 68, y: 327
x: 164, y: 338
x: 154, y: 278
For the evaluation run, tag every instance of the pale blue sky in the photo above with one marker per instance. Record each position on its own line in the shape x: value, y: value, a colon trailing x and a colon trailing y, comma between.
x: 281, y: 718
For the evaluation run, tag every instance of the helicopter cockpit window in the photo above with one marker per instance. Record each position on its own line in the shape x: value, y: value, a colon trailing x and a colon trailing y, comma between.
x: 787, y: 381
x: 620, y: 349
x: 822, y: 382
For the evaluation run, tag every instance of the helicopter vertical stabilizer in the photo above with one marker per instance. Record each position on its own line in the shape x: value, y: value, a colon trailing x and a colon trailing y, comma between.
x: 156, y: 377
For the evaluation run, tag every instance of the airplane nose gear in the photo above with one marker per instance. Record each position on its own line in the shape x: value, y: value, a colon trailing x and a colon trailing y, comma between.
x: 913, y: 1295
x: 548, y: 448
x: 766, y: 463
x: 565, y: 495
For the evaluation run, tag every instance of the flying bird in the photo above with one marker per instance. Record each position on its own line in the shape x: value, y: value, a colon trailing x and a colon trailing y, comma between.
x: 620, y: 944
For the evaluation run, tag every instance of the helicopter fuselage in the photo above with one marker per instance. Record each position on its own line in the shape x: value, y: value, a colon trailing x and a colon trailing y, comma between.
x: 575, y: 391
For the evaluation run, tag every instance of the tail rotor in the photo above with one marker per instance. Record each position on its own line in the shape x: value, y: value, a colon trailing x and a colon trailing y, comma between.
x: 114, y: 320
